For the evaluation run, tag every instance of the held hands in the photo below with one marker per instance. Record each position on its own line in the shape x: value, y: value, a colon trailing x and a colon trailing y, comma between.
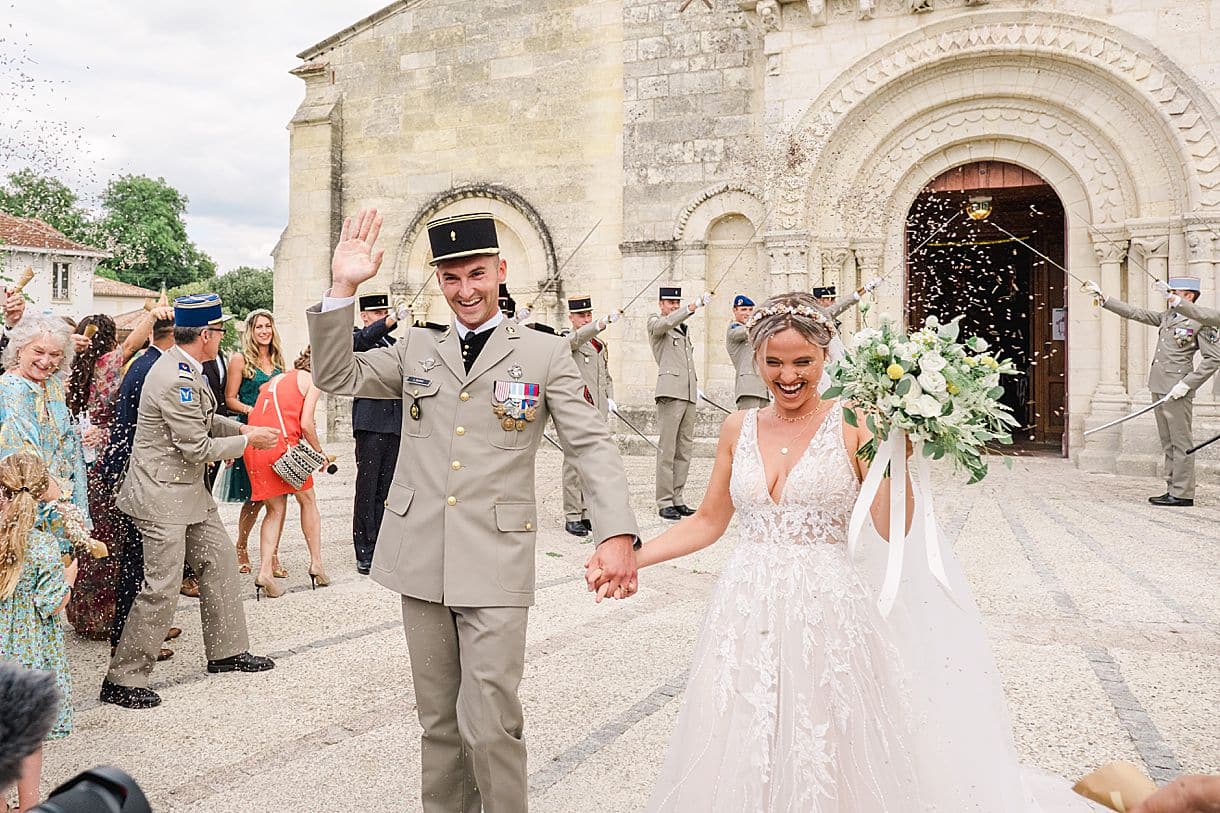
x: 354, y: 260
x: 611, y: 570
x: 261, y: 437
x: 1180, y: 390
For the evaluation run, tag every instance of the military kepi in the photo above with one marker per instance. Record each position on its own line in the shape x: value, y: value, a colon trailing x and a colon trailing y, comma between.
x: 375, y: 302
x: 1185, y: 284
x: 670, y: 292
x: 742, y: 301
x: 199, y: 310
x: 580, y: 304
x: 462, y: 236
x: 824, y: 291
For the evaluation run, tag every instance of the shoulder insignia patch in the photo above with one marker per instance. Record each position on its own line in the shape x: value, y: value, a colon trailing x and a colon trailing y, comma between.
x: 186, y: 395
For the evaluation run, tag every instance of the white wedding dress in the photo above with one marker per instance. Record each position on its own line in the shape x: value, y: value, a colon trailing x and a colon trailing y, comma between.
x: 802, y: 697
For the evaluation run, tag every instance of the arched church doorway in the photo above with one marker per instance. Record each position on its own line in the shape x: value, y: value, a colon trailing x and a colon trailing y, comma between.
x: 994, y: 272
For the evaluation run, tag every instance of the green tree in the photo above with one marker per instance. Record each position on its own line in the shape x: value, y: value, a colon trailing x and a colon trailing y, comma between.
x: 28, y: 194
x: 241, y: 290
x: 144, y: 230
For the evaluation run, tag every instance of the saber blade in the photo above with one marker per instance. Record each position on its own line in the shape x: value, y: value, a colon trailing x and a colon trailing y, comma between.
x: 1126, y: 418
x: 636, y: 429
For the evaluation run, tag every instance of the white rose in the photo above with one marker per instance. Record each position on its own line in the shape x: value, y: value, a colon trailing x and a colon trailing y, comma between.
x: 932, y: 381
x: 932, y: 361
x: 927, y: 406
x: 992, y: 380
x: 865, y: 336
x: 905, y: 351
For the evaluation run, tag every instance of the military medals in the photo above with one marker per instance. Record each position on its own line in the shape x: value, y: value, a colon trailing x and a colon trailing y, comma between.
x: 415, y: 411
x: 515, y: 403
x: 515, y: 371
x: 1184, y: 336
x: 428, y: 364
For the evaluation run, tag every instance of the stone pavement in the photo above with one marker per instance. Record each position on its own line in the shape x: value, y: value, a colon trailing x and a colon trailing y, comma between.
x: 1104, y: 613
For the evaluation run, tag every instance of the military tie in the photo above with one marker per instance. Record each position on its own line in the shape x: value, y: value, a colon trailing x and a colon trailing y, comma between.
x: 472, y: 345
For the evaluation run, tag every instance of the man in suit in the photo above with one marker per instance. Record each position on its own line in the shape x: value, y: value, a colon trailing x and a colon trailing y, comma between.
x: 592, y: 359
x: 1172, y: 373
x: 677, y: 393
x: 375, y: 424
x: 114, y: 466
x: 750, y: 391
x: 458, y: 537
x: 177, y: 433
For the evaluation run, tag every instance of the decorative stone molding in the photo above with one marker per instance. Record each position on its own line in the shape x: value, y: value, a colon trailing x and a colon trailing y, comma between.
x: 1183, y: 111
x: 1155, y: 247
x: 769, y: 15
x: 1200, y: 243
x: 833, y: 258
x: 736, y: 198
x: 865, y: 9
x: 919, y: 6
x: 1109, y: 250
x: 817, y: 12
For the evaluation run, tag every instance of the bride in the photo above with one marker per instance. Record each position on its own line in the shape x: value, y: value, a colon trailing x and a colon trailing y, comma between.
x: 801, y: 696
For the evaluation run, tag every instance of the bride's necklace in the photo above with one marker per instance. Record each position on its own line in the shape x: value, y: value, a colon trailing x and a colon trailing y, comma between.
x: 785, y: 449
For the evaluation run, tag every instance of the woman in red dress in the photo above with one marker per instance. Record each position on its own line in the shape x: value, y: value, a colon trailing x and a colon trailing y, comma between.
x: 297, y: 399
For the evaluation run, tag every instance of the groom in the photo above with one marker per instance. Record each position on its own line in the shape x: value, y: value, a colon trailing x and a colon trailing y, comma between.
x: 457, y: 541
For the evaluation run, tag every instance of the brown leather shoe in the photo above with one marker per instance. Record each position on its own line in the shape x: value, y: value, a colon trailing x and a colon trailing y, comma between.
x: 190, y: 587
x: 173, y: 633
x: 165, y: 654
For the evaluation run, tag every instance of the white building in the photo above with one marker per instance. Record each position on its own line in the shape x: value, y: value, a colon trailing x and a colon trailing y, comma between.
x: 63, y: 269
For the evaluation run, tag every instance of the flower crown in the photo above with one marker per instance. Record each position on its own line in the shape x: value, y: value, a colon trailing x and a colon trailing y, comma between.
x: 792, y: 310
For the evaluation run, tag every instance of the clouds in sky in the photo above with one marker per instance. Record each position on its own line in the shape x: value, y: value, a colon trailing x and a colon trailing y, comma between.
x: 196, y: 93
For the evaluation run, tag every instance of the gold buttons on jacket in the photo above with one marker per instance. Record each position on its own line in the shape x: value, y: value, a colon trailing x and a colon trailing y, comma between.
x: 529, y: 526
x: 465, y: 396
x: 457, y: 464
x: 461, y: 430
x: 452, y: 500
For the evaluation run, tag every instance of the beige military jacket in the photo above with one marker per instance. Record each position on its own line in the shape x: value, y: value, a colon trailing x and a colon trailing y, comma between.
x: 1177, y: 343
x: 461, y: 516
x: 675, y: 355
x: 1209, y: 342
x: 177, y: 434
x: 742, y: 353
x: 593, y: 360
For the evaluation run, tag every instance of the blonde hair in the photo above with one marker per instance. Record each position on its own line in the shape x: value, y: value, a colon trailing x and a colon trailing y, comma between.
x: 305, y: 360
x: 249, y: 347
x: 795, y: 310
x: 23, y: 479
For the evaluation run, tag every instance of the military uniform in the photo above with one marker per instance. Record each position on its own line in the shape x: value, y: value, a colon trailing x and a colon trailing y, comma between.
x: 592, y: 359
x: 178, y: 432
x: 1177, y: 343
x: 677, y: 393
x: 749, y: 391
x: 458, y: 538
x: 375, y: 426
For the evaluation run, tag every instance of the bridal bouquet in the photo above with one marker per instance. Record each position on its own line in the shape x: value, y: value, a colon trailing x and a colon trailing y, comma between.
x: 939, y: 390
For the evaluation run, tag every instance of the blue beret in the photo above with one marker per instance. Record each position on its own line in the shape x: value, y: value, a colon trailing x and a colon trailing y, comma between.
x: 742, y: 301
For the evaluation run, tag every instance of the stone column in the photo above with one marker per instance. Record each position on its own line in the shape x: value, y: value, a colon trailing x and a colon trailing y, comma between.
x: 787, y: 262
x: 833, y: 259
x: 869, y: 264
x: 1100, y: 452
x: 1152, y: 263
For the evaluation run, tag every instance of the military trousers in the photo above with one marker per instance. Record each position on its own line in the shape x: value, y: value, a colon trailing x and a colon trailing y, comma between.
x: 676, y: 419
x: 376, y: 457
x: 573, y: 493
x: 1173, y: 424
x: 131, y: 573
x: 206, y: 546
x: 466, y: 664
x: 751, y: 402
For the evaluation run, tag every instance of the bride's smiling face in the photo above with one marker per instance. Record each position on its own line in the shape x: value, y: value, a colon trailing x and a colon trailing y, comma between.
x: 791, y: 366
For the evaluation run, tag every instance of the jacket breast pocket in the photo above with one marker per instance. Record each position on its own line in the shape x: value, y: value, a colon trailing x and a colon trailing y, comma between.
x: 417, y: 403
x: 171, y: 473
x: 517, y: 524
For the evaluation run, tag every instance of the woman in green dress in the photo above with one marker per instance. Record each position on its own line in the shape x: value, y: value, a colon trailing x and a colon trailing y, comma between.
x: 260, y: 360
x: 34, y: 588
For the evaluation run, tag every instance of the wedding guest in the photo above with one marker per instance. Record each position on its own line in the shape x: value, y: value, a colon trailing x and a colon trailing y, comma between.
x: 93, y: 385
x: 34, y: 587
x: 287, y: 403
x: 260, y: 360
x: 1186, y: 794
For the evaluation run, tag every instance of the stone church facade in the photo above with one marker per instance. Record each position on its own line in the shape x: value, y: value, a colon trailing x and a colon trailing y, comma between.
x: 784, y: 142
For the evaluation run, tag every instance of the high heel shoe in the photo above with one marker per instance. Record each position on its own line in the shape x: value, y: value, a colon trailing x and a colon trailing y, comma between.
x: 273, y: 590
x: 318, y: 577
x: 278, y: 570
x: 243, y: 559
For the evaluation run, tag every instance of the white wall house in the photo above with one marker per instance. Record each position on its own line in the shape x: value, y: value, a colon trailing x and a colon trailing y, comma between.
x: 63, y: 269
x: 115, y: 298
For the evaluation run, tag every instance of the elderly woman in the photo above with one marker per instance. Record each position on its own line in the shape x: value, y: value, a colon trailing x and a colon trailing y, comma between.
x: 33, y: 410
x: 92, y: 389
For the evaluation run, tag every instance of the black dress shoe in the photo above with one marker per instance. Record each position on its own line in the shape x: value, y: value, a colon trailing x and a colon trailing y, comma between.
x: 363, y: 568
x: 129, y: 697
x: 1156, y: 499
x: 684, y: 511
x: 588, y: 525
x: 670, y: 512
x: 243, y: 662
x: 1172, y: 501
x: 576, y: 528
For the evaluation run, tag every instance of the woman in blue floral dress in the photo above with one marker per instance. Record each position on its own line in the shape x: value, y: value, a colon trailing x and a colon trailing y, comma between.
x: 34, y: 588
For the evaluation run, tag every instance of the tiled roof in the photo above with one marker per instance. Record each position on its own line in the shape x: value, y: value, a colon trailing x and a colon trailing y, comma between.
x: 104, y: 286
x: 130, y: 320
x: 29, y: 232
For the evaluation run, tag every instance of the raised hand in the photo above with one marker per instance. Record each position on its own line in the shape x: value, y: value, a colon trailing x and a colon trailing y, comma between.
x: 14, y: 307
x: 355, y: 260
x: 1094, y: 289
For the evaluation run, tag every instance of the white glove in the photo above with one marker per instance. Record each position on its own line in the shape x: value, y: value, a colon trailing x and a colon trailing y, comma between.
x: 403, y: 314
x: 523, y: 314
x: 613, y: 317
x: 705, y: 299
x: 701, y: 395
x: 1094, y: 289
x: 871, y: 285
x: 1173, y: 300
x: 1180, y: 390
x: 613, y: 406
x: 1162, y: 286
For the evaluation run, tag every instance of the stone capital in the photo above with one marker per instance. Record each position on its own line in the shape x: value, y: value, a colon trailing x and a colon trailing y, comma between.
x: 1201, y: 243
x: 1152, y: 247
x: 1109, y: 249
x: 868, y: 257
x: 833, y: 258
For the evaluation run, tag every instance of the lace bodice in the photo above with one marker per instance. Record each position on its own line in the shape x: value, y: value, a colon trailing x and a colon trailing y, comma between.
x: 816, y: 500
